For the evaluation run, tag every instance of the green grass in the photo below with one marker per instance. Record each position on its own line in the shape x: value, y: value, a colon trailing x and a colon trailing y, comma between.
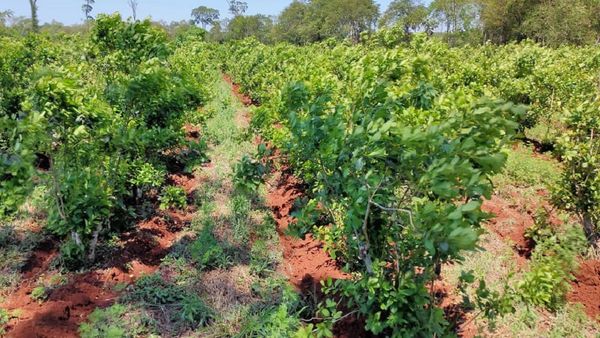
x: 15, y: 247
x: 117, y: 321
x: 497, y: 266
x: 525, y: 169
x: 243, y: 229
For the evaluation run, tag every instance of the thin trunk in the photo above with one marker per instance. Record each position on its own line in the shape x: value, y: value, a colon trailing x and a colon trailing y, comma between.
x: 590, y: 230
x: 133, y: 4
x: 94, y: 242
x: 35, y: 27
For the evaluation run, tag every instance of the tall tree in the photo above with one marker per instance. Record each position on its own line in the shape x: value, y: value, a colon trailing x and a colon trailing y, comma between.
x: 259, y: 26
x: 457, y: 16
x: 35, y: 24
x: 502, y: 20
x: 87, y: 9
x: 295, y: 25
x: 216, y: 33
x: 133, y: 4
x: 410, y: 14
x: 237, y: 7
x: 205, y: 16
x: 552, y: 22
x: 344, y: 18
x: 559, y: 22
x: 316, y: 20
x: 4, y: 16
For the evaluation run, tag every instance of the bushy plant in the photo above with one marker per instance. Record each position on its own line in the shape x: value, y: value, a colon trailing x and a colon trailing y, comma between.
x: 105, y: 114
x: 579, y: 189
x: 552, y: 264
x: 173, y: 197
x: 250, y: 172
x: 394, y: 146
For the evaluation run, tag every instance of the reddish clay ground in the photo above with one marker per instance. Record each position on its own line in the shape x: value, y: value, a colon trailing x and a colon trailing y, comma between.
x: 586, y: 288
x: 244, y: 99
x: 305, y: 261
x: 68, y: 305
x: 510, y: 223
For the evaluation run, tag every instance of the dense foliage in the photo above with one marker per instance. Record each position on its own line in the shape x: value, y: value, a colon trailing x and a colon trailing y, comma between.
x: 396, y: 139
x: 397, y: 148
x: 94, y: 121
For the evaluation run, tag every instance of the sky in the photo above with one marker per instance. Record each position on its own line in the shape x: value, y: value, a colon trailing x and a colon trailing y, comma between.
x: 69, y: 11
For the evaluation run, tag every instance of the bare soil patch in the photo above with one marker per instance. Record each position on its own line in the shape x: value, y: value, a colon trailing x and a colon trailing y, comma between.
x: 586, y: 288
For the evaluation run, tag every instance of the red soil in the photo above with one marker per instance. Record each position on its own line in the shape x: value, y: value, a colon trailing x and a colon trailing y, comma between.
x: 304, y: 259
x: 40, y: 260
x: 64, y: 310
x: 140, y: 253
x: 70, y: 304
x: 191, y: 132
x: 586, y: 288
x: 305, y: 262
x: 510, y: 222
x: 244, y: 99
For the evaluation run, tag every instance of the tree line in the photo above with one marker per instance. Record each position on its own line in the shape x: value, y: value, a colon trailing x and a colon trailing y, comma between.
x: 549, y: 22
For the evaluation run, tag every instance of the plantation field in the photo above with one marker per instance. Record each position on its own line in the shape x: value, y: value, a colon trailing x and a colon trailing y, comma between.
x: 160, y: 186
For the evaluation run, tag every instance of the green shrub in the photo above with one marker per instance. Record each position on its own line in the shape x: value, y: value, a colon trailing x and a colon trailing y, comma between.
x: 4, y: 318
x: 173, y: 197
x: 72, y: 255
x: 552, y: 263
x: 147, y: 176
x: 39, y: 294
x: 250, y: 172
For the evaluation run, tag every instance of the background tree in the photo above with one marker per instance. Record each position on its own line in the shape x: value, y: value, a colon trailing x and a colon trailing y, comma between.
x: 551, y: 22
x: 559, y: 22
x: 35, y: 24
x: 346, y: 18
x: 216, y: 33
x: 205, y: 16
x: 294, y: 24
x: 410, y: 14
x: 237, y: 8
x: 4, y: 16
x: 502, y: 20
x: 457, y: 17
x: 133, y: 4
x: 87, y: 9
x: 259, y: 26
